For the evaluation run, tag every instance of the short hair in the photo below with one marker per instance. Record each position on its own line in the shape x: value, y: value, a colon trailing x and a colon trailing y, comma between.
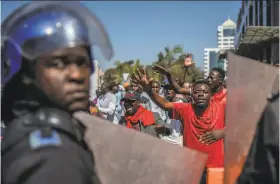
x: 220, y: 71
x: 201, y: 81
x: 157, y: 82
x: 188, y: 55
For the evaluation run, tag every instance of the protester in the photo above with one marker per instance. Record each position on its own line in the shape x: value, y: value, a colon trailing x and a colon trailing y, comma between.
x: 126, y: 86
x: 225, y: 84
x: 216, y: 80
x: 141, y: 119
x: 98, y: 93
x: 173, y: 81
x: 107, y: 104
x: 154, y: 107
x: 203, y: 120
x: 262, y: 164
x: 46, y: 74
x: 172, y: 118
x: 119, y: 109
x: 145, y: 100
x: 93, y: 109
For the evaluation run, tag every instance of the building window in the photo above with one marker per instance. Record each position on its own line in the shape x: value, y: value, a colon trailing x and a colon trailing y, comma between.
x: 275, y: 13
x: 213, y: 59
x: 268, y: 12
x: 261, y: 13
x: 256, y: 13
x: 264, y: 14
x: 228, y: 32
x: 251, y: 15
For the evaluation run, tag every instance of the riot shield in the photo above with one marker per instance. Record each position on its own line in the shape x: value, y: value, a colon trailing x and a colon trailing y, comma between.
x: 249, y: 83
x: 125, y: 156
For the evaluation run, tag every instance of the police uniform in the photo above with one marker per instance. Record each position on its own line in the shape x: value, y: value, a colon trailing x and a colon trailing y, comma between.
x: 46, y: 147
x: 262, y: 164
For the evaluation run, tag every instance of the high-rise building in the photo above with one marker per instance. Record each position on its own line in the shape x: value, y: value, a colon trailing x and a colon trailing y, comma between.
x: 226, y: 33
x: 257, y: 33
x: 211, y: 57
x: 225, y: 38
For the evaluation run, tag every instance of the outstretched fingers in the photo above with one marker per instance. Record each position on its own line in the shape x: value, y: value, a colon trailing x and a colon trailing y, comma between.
x: 135, y: 77
x: 143, y: 71
x: 159, y: 69
x: 139, y: 73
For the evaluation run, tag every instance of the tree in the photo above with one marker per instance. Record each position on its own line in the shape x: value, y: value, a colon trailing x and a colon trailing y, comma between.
x: 172, y: 58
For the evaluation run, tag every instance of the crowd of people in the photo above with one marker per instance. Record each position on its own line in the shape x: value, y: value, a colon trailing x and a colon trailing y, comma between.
x: 191, y: 115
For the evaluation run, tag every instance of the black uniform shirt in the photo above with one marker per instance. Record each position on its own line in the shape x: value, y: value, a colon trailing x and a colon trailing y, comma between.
x: 30, y: 157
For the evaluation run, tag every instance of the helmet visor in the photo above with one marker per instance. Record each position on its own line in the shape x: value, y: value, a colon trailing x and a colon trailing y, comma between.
x: 41, y: 27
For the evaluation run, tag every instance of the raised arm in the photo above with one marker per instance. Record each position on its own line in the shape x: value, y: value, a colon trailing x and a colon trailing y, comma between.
x: 141, y: 78
x: 172, y: 80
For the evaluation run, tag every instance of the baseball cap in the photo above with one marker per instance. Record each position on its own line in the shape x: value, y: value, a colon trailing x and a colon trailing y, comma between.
x: 132, y: 95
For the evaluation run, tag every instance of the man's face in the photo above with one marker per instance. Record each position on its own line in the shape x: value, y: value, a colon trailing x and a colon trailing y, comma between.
x: 169, y: 93
x: 131, y: 106
x: 115, y: 89
x: 215, y: 79
x: 188, y: 61
x: 133, y: 87
x: 155, y: 87
x: 201, y: 95
x: 98, y: 92
x: 64, y: 77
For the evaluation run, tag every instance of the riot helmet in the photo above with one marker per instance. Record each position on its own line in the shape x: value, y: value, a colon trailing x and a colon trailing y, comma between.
x: 42, y: 27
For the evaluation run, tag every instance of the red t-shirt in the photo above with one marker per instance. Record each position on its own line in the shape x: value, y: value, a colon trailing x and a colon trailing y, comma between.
x: 221, y: 97
x: 194, y: 126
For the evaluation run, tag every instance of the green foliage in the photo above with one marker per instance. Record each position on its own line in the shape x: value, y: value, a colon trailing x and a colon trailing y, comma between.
x: 171, y: 58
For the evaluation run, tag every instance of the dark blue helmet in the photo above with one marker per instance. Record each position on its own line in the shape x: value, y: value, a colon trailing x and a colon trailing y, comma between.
x: 41, y: 27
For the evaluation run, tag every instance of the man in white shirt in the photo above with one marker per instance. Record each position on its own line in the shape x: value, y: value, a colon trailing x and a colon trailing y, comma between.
x: 107, y: 103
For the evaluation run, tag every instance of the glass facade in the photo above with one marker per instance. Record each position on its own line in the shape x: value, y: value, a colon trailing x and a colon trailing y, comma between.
x: 228, y: 32
x: 264, y: 13
x: 213, y: 59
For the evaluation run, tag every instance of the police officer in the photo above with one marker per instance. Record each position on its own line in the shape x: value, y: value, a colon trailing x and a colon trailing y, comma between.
x: 46, y: 65
x: 262, y: 164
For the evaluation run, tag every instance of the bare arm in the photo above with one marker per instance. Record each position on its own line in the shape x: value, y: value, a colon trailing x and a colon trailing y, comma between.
x: 172, y: 81
x: 178, y: 89
x: 160, y: 101
x: 141, y: 79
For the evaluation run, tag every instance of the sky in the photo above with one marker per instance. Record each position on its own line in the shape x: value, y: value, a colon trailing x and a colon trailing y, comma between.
x: 141, y: 29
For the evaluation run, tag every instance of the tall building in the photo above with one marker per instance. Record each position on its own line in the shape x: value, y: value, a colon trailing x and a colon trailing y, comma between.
x: 211, y: 57
x: 226, y: 33
x: 257, y: 34
x: 225, y: 40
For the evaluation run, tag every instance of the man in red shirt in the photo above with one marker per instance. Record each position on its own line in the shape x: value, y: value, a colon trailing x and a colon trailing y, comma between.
x: 216, y: 80
x: 203, y: 120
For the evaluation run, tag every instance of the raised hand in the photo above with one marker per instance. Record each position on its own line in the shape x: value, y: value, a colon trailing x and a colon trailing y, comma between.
x: 140, y: 77
x: 188, y: 64
x: 161, y: 70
